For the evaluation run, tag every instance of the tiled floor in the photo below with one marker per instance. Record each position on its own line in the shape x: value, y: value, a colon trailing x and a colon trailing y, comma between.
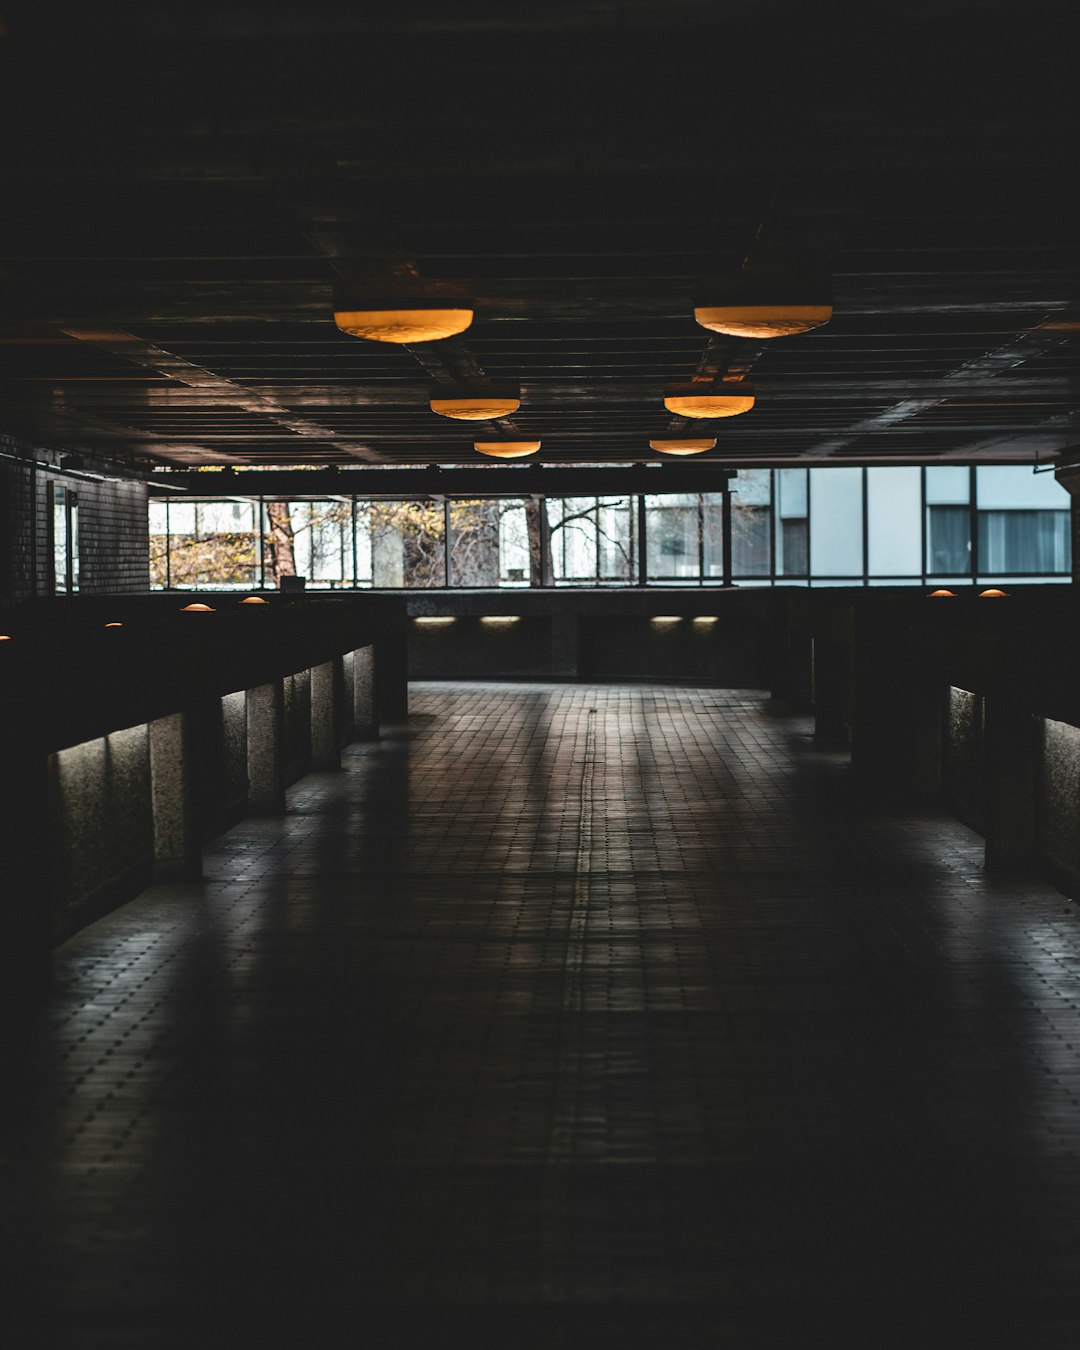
x: 565, y: 1016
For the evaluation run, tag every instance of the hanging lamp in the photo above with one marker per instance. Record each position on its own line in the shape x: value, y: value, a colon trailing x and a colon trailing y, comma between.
x: 681, y: 446
x: 507, y: 449
x: 401, y: 325
x: 708, y: 405
x: 762, y: 321
x: 472, y: 408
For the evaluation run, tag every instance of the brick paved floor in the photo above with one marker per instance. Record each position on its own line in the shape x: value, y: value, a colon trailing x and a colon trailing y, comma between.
x: 564, y: 1016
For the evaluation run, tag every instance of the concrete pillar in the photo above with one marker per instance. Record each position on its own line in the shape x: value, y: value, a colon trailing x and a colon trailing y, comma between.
x: 1068, y: 475
x: 832, y: 690
x: 565, y: 645
x: 365, y: 717
x: 1010, y: 785
x: 266, y: 749
x: 177, y: 852
x: 326, y: 683
x: 28, y: 841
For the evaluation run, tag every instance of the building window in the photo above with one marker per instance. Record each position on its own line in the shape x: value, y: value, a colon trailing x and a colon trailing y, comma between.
x: 64, y: 532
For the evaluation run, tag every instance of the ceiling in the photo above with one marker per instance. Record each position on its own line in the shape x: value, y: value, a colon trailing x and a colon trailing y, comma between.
x: 184, y: 185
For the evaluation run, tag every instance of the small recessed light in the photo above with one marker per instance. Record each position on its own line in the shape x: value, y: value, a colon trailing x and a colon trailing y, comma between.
x: 434, y: 620
x: 665, y: 619
x: 500, y: 620
x: 115, y: 623
x: 706, y: 619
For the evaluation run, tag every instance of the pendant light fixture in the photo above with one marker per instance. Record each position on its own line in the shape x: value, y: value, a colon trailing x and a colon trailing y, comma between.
x: 681, y: 446
x: 429, y: 324
x: 708, y: 405
x: 473, y: 408
x: 507, y: 449
x: 762, y: 321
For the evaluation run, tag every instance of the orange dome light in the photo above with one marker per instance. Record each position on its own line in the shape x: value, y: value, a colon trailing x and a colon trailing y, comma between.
x: 507, y: 449
x: 403, y: 325
x: 992, y: 594
x: 197, y: 609
x: 935, y: 595
x: 254, y: 600
x: 708, y: 405
x: 115, y: 623
x: 762, y: 321
x: 682, y: 447
x: 475, y: 409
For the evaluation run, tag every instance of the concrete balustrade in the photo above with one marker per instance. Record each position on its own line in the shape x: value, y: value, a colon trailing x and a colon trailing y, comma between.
x: 124, y: 750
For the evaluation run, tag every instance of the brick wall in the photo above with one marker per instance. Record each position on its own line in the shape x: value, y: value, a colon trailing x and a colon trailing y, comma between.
x: 113, y: 537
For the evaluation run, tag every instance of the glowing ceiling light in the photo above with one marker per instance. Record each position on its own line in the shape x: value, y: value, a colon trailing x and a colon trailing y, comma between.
x: 674, y: 446
x: 762, y: 321
x: 470, y: 409
x: 708, y: 405
x: 403, y: 325
x: 507, y: 449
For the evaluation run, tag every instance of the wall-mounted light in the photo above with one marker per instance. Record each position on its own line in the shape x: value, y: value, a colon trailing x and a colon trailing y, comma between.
x: 706, y: 620
x: 507, y: 449
x: 942, y: 594
x: 197, y: 609
x: 472, y: 409
x: 434, y: 620
x: 676, y: 446
x: 499, y: 620
x: 403, y: 325
x: 665, y: 620
x: 708, y: 405
x: 762, y: 321
x: 115, y: 623
x: 5, y: 637
x: 992, y: 594
x: 254, y: 600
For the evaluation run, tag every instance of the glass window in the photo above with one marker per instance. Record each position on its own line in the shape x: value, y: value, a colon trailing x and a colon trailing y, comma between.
x: 751, y: 523
x: 408, y: 542
x: 474, y: 543
x: 894, y: 521
x: 712, y: 531
x: 515, y: 552
x: 671, y: 524
x: 1009, y: 487
x: 836, y: 523
x: 1024, y: 541
x: 948, y: 485
x: 948, y: 540
x: 213, y: 543
x: 615, y: 531
x: 793, y: 526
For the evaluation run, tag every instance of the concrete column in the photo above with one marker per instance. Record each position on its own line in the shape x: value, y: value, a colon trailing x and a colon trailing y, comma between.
x: 832, y: 694
x: 1068, y: 475
x: 565, y: 645
x: 392, y: 670
x: 1010, y: 786
x: 177, y: 852
x: 365, y: 718
x: 29, y: 843
x: 326, y: 682
x: 266, y: 749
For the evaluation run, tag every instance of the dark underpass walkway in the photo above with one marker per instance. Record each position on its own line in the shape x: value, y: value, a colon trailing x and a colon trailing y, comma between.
x: 566, y: 1016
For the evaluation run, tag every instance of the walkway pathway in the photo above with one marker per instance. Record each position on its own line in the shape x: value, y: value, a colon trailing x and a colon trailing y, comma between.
x: 566, y: 1016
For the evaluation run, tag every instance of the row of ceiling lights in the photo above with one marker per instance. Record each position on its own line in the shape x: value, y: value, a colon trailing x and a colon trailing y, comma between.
x: 756, y: 322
